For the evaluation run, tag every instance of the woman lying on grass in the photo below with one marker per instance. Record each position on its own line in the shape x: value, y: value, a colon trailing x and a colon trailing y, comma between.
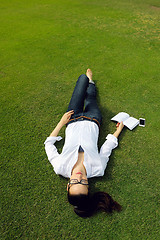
x: 80, y: 159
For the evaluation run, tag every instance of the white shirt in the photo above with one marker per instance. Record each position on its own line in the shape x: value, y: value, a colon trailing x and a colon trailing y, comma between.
x: 84, y: 133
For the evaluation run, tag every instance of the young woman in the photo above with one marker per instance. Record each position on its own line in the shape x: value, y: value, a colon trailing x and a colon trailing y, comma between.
x: 80, y: 158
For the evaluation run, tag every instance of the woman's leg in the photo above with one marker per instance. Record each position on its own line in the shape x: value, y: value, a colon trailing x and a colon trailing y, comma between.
x: 91, y: 107
x: 78, y: 96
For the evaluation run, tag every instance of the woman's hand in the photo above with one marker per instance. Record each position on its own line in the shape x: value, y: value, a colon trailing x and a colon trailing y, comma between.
x: 66, y: 117
x: 120, y: 126
x: 119, y: 129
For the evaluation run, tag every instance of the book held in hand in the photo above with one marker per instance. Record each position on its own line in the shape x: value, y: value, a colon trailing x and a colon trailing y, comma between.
x: 128, y: 121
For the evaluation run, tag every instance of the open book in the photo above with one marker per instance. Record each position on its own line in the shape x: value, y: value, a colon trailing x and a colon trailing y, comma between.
x: 128, y: 121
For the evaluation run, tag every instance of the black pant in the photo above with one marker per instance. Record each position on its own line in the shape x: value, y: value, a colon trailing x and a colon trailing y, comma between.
x: 84, y: 94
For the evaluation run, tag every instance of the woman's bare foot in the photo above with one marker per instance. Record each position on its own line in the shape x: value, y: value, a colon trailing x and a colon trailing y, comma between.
x: 89, y: 74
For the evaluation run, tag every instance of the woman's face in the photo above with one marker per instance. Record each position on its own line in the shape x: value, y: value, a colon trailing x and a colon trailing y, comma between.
x: 78, y: 188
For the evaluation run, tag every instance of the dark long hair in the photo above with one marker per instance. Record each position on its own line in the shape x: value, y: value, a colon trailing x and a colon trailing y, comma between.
x: 87, y: 205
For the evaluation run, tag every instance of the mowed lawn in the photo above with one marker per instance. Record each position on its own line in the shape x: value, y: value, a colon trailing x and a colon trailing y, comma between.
x: 45, y: 45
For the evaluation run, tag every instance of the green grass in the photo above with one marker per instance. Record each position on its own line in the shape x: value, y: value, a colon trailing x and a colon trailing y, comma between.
x: 45, y: 46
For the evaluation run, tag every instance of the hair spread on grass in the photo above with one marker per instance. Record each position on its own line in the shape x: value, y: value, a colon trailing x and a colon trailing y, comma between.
x: 87, y: 205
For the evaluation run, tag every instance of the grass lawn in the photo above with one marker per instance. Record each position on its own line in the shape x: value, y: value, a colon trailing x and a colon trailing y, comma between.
x: 45, y: 45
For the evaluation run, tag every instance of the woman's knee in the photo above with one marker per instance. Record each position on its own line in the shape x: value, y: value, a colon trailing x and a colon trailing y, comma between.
x: 83, y: 78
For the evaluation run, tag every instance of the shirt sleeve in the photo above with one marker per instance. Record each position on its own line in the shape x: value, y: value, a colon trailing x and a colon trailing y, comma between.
x: 106, y: 149
x: 50, y: 148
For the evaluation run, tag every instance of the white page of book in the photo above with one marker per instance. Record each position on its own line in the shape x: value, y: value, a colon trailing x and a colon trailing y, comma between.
x: 122, y: 116
x: 131, y: 122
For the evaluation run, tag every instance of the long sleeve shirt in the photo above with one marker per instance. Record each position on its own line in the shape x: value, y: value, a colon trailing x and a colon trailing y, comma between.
x: 84, y: 134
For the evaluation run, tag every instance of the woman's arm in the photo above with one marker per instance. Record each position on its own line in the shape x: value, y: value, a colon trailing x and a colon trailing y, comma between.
x: 119, y: 129
x: 110, y: 143
x: 64, y: 120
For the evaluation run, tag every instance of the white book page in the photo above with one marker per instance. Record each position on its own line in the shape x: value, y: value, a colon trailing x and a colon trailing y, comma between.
x: 131, y: 122
x: 120, y: 117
